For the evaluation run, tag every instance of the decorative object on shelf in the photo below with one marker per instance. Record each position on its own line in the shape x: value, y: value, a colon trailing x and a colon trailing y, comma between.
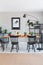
x: 37, y: 25
x: 37, y: 22
x: 15, y: 22
x: 25, y: 33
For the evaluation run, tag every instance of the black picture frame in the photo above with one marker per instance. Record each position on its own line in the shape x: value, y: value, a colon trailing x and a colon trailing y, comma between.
x: 15, y: 23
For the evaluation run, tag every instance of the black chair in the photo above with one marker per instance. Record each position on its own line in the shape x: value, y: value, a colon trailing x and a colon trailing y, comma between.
x: 5, y: 40
x: 31, y: 41
x: 40, y: 42
x: 1, y: 37
x: 14, y: 41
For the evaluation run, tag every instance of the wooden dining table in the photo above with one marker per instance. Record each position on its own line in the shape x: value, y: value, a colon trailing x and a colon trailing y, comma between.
x: 25, y: 36
x: 21, y: 38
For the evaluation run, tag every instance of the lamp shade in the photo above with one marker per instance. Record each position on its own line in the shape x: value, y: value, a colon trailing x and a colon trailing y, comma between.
x: 24, y: 15
x: 28, y: 21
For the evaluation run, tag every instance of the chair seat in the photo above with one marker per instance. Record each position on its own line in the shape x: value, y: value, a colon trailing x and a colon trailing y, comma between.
x: 39, y: 48
x: 30, y: 43
x: 0, y: 40
x: 14, y: 43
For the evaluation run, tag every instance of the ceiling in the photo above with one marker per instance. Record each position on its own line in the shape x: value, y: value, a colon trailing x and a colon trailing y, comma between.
x: 21, y: 5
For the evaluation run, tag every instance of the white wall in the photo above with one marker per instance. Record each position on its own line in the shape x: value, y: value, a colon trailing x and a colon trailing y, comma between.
x: 5, y: 20
x: 21, y: 5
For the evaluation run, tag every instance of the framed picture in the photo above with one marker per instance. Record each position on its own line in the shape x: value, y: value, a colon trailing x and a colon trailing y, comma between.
x: 15, y: 22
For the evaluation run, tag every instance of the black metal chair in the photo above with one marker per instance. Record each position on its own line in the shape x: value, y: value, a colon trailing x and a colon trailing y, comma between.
x: 40, y: 42
x: 14, y: 41
x: 1, y: 36
x: 5, y: 40
x: 31, y: 41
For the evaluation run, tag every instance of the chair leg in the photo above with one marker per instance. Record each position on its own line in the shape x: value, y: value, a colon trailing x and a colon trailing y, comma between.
x: 17, y: 48
x: 6, y: 45
x: 38, y: 45
x: 33, y: 47
x: 3, y: 47
x: 12, y: 47
x: 28, y: 47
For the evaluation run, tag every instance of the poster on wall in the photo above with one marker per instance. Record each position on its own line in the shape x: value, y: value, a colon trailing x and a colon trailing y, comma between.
x: 15, y: 21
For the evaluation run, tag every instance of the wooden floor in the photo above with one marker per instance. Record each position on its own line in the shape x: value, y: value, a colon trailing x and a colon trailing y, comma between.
x: 21, y: 59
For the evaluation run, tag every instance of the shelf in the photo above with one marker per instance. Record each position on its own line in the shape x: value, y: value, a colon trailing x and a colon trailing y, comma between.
x: 31, y: 28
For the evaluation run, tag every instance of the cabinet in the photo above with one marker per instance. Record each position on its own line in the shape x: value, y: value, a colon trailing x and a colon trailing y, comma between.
x: 35, y: 29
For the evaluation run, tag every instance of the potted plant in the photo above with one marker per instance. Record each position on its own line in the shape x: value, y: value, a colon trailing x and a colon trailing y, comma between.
x: 31, y: 33
x: 9, y: 33
x: 25, y: 33
x: 5, y: 31
x: 36, y: 25
x: 17, y: 32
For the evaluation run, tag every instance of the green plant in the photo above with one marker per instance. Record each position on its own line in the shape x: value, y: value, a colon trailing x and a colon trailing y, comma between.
x: 31, y: 33
x: 5, y: 30
x: 25, y: 33
x: 36, y: 25
x: 17, y: 32
x: 9, y: 33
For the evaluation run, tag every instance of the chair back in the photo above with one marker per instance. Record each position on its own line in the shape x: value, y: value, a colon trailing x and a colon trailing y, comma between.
x: 31, y: 39
x: 14, y: 38
x: 5, y: 39
x: 5, y: 34
x: 1, y: 35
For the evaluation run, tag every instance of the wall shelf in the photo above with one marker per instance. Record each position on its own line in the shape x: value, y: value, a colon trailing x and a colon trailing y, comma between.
x: 37, y: 30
